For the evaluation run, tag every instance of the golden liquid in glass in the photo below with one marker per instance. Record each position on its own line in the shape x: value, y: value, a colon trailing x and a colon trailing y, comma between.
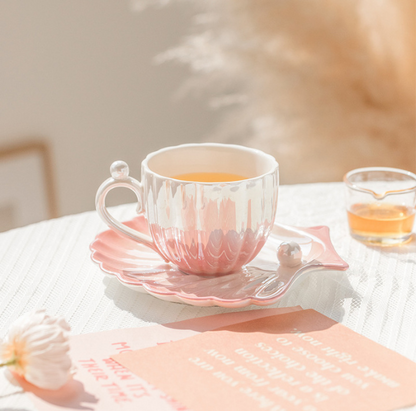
x: 208, y: 177
x: 381, y: 220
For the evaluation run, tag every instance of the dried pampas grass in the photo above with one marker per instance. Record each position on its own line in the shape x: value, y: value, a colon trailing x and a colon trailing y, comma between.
x: 323, y: 85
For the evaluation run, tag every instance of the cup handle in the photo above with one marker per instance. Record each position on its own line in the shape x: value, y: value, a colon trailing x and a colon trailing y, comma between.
x: 120, y: 178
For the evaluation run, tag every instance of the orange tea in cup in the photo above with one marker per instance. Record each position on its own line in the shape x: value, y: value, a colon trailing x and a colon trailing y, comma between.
x: 209, y: 177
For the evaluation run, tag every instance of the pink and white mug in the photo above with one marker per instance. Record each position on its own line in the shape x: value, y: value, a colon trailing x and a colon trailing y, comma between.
x: 204, y: 228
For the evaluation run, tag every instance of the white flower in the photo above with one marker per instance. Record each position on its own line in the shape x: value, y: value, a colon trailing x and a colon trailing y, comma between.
x: 36, y: 348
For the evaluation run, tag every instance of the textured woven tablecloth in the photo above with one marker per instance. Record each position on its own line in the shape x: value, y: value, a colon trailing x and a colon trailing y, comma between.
x: 48, y: 265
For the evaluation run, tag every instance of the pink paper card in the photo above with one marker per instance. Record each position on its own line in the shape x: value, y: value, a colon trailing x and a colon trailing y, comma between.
x: 102, y: 384
x: 297, y: 361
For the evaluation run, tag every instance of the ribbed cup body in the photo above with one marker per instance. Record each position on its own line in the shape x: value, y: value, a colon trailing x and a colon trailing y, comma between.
x: 210, y: 228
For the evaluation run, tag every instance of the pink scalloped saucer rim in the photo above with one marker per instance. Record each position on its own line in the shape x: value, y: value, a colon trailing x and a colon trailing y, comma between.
x: 261, y: 282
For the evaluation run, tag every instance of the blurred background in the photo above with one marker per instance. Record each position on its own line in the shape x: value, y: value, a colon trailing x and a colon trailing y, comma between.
x: 85, y: 83
x: 78, y: 78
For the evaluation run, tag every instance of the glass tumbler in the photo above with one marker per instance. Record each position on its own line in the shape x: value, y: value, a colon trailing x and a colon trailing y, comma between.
x: 381, y: 205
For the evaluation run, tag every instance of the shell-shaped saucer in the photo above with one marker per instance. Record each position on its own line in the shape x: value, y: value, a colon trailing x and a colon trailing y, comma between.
x: 261, y: 282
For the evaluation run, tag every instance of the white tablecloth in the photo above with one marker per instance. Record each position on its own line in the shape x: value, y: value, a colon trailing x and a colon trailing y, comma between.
x: 48, y: 265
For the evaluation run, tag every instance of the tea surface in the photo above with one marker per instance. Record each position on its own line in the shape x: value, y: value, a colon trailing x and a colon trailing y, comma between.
x: 377, y: 220
x: 208, y: 177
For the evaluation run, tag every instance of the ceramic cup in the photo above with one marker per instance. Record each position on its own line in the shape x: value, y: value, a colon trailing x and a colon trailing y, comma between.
x: 204, y: 228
